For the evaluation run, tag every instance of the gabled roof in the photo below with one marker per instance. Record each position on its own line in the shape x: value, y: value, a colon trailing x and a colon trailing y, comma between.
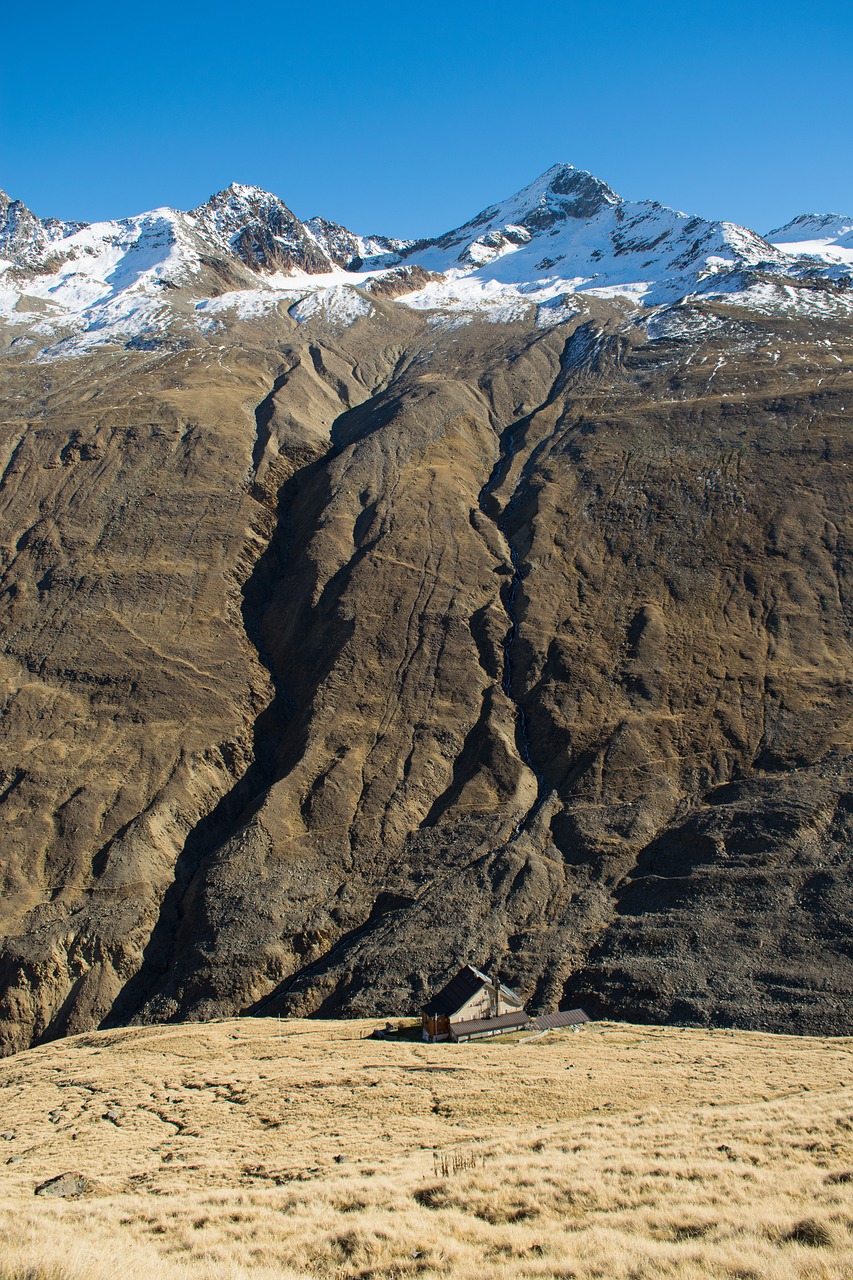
x: 467, y: 982
x: 569, y: 1018
x: 503, y: 1022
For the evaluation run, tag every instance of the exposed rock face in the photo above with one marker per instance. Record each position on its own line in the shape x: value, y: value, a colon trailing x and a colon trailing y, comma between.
x: 22, y: 236
x: 351, y: 251
x: 260, y: 230
x: 400, y: 281
x: 346, y: 645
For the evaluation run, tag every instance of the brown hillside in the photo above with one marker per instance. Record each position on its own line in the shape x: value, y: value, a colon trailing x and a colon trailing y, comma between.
x: 336, y: 657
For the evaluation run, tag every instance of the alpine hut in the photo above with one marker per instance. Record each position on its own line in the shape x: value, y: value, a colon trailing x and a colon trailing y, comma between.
x: 470, y: 1006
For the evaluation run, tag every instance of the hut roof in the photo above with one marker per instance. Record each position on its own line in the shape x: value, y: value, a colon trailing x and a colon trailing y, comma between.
x: 460, y: 988
x: 503, y: 1022
x: 568, y: 1018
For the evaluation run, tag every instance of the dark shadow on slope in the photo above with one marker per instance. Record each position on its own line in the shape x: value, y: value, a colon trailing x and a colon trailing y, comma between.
x: 385, y: 906
x: 297, y: 669
x: 472, y: 756
x: 263, y: 417
x: 736, y: 916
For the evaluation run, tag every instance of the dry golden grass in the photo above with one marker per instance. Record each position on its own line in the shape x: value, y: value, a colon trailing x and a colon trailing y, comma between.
x: 244, y: 1149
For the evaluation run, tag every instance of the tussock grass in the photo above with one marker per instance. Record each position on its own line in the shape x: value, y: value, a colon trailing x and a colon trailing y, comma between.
x: 242, y: 1151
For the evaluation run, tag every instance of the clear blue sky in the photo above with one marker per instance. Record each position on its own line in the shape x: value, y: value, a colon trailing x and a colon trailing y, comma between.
x: 409, y: 118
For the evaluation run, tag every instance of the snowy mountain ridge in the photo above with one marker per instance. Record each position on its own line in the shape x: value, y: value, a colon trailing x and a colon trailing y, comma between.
x: 570, y: 231
x: 68, y: 287
x: 827, y: 236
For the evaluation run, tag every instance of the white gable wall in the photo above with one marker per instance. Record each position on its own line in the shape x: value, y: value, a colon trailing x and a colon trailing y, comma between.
x: 479, y: 1005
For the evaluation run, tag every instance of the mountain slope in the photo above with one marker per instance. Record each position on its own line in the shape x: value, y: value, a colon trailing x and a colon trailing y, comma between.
x: 351, y: 634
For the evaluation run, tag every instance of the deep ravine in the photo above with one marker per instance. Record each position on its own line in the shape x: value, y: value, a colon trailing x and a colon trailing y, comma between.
x: 513, y: 439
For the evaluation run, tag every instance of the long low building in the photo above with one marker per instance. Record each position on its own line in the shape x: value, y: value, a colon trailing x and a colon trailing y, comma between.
x: 498, y: 1026
x: 478, y: 1028
x: 550, y: 1021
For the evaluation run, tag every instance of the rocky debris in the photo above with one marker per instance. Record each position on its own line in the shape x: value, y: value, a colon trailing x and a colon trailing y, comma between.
x: 66, y: 1186
x: 400, y: 281
x: 7, y: 1136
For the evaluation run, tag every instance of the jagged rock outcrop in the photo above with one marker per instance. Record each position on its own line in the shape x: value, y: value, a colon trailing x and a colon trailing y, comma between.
x: 260, y: 230
x: 401, y: 280
x: 352, y: 252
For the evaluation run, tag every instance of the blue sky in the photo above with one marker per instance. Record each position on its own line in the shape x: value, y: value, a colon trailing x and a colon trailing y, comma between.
x: 408, y: 119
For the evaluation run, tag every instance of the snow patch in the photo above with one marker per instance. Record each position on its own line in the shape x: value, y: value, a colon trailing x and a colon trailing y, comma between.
x: 247, y: 304
x: 827, y: 237
x: 783, y: 297
x: 555, y: 311
x: 682, y: 323
x: 471, y: 296
x: 340, y: 305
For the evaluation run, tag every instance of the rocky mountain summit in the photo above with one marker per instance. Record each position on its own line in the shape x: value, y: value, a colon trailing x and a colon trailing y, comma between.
x: 260, y: 230
x: 572, y: 226
x: 24, y: 238
x: 374, y: 606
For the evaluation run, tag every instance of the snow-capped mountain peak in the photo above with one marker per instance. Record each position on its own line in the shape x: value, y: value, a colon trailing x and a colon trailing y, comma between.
x: 812, y: 226
x: 561, y: 192
x: 827, y: 236
x: 259, y: 229
x: 570, y: 231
